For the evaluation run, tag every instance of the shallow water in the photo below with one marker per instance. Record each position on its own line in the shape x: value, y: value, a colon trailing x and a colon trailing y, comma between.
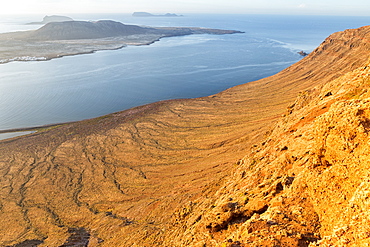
x: 14, y: 134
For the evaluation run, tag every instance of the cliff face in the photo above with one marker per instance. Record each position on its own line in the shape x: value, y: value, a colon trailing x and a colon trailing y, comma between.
x: 172, y: 173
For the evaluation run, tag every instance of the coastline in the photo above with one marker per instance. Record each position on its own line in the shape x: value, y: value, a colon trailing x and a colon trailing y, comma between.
x: 28, y: 51
x: 11, y: 135
x: 34, y: 128
x: 17, y: 132
x: 15, y: 47
x: 134, y: 111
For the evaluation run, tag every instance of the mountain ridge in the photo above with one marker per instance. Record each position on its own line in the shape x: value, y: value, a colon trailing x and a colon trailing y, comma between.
x: 172, y: 173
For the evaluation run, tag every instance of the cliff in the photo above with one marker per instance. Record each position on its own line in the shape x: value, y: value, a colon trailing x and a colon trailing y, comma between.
x: 173, y: 173
x: 307, y: 182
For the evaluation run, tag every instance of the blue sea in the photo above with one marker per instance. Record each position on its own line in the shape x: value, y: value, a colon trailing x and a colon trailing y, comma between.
x: 86, y: 86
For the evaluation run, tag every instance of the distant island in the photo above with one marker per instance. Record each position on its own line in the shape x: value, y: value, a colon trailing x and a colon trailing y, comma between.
x: 53, y: 18
x: 58, y: 39
x: 146, y: 14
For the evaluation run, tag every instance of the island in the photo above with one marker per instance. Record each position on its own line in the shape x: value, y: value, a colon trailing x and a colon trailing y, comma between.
x: 58, y: 39
x: 146, y: 14
x: 52, y: 18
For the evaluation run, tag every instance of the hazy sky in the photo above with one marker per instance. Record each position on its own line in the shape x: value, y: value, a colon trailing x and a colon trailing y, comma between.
x: 318, y: 7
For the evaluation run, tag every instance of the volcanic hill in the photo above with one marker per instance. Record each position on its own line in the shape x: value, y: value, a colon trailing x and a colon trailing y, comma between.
x: 283, y: 161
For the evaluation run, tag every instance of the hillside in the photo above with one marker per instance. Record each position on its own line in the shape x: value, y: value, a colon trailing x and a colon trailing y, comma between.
x: 281, y: 161
x: 85, y: 30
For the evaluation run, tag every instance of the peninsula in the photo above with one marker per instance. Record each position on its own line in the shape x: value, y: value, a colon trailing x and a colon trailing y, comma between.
x: 58, y: 39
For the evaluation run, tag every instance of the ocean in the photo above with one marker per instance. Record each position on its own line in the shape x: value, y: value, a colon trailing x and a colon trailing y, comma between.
x: 86, y: 86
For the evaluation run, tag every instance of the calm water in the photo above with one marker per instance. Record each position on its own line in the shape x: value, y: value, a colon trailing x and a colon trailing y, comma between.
x: 86, y: 86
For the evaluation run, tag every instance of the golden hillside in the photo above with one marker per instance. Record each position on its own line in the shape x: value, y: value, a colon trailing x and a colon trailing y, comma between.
x: 173, y: 173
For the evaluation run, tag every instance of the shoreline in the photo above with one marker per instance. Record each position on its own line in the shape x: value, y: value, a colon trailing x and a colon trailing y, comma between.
x: 40, y: 59
x: 15, y: 47
x: 28, y: 130
x: 34, y: 128
x: 108, y: 47
x: 11, y: 135
x: 126, y: 113
x: 69, y: 48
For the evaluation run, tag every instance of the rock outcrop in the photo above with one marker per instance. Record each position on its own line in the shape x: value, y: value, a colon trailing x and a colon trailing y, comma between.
x: 173, y: 173
x: 302, y: 53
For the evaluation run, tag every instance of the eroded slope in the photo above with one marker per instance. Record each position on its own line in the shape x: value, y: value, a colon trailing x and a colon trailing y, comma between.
x: 306, y: 184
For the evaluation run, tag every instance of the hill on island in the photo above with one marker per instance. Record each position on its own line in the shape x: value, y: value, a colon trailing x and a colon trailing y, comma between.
x: 86, y: 30
x: 73, y: 30
x: 282, y: 161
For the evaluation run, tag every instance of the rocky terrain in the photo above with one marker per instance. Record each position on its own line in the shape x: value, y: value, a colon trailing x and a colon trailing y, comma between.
x: 58, y: 39
x: 282, y: 161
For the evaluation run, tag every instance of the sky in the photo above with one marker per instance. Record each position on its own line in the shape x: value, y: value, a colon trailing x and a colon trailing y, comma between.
x: 296, y: 7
